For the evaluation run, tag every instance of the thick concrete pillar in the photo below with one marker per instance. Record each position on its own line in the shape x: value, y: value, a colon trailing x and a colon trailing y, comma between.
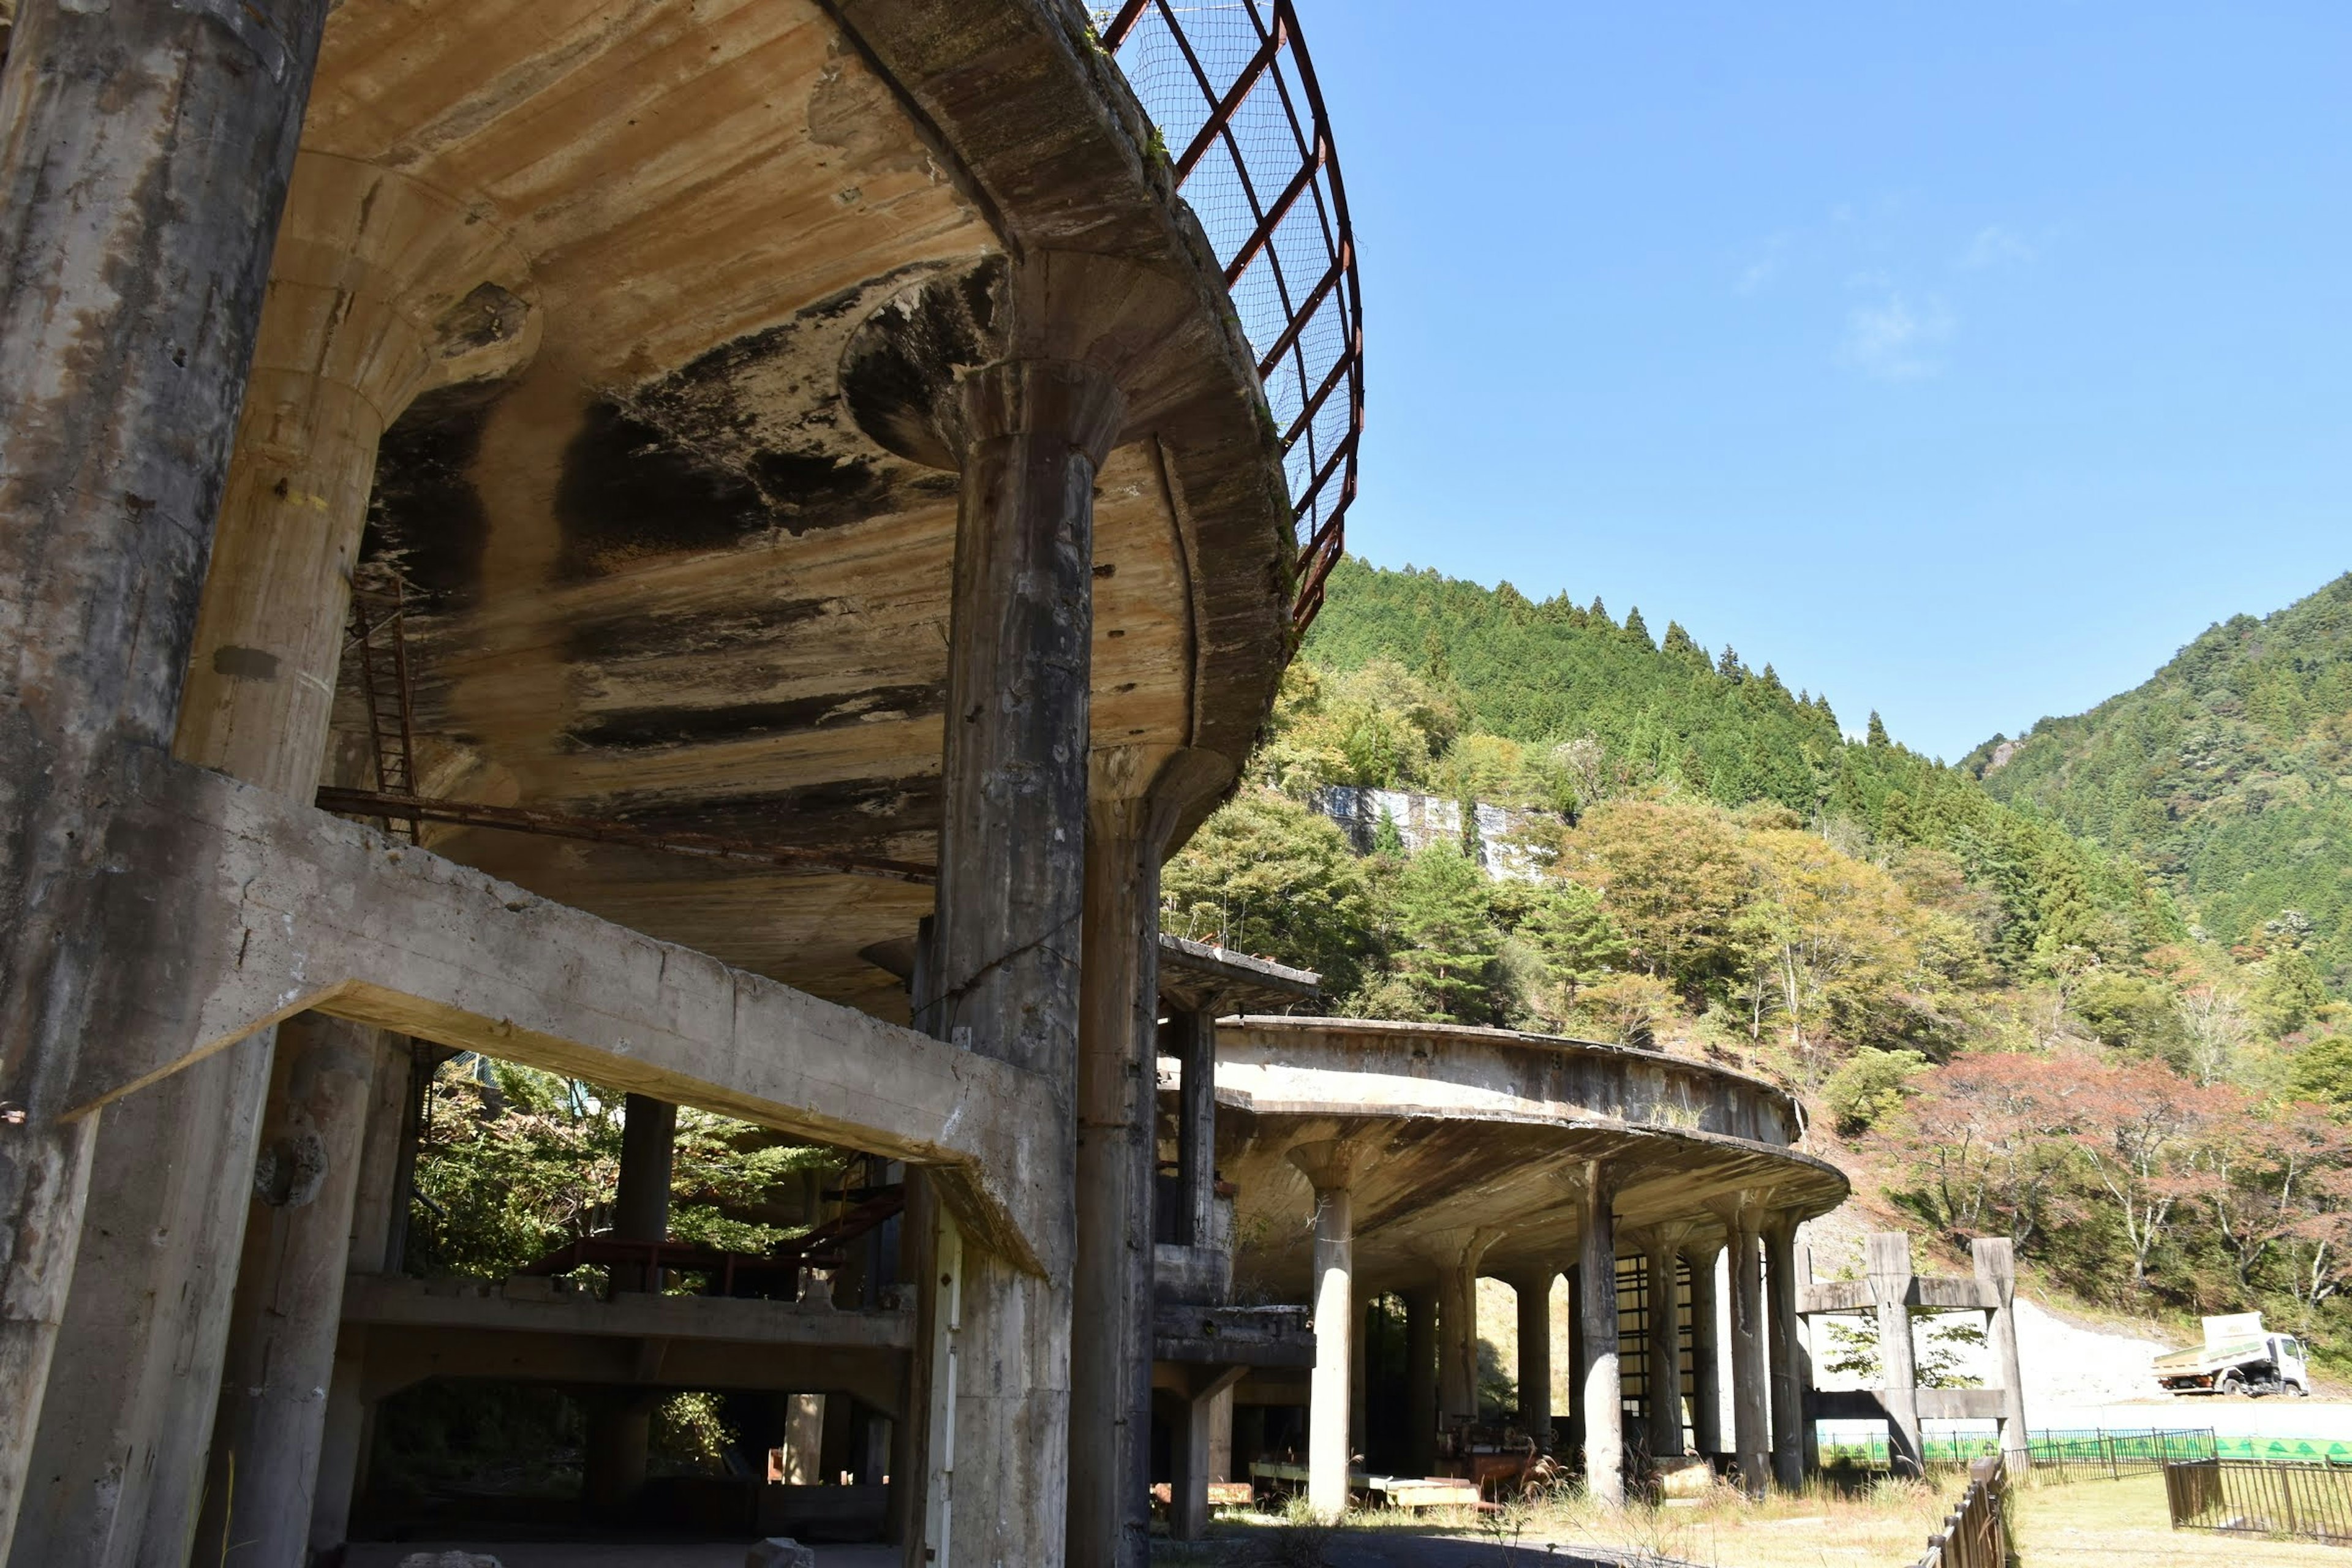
x: 1533, y: 1286
x: 363, y: 257
x: 1202, y: 1452
x: 1359, y: 1376
x: 1193, y: 1032
x: 1602, y: 1386
x: 1887, y: 1263
x: 1030, y: 435
x: 1457, y: 1345
x: 1421, y: 1379
x: 288, y: 1303
x: 1134, y: 797
x: 641, y: 1195
x: 379, y: 1206
x: 1576, y: 1422
x: 1458, y: 1260
x: 1751, y: 1436
x: 1794, y: 1450
x: 1661, y: 1250
x: 620, y: 1424
x: 1220, y: 1436
x: 1706, y: 1376
x: 1996, y: 1270
x: 1331, y: 1167
x: 144, y: 155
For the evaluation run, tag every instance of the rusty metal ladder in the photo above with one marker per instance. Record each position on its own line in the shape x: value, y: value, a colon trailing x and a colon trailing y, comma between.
x: 378, y: 613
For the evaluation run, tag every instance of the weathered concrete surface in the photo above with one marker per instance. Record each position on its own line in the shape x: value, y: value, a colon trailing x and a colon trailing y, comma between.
x: 666, y: 576
x: 144, y: 152
x: 281, y: 1339
x: 1600, y: 1383
x: 1331, y: 1168
x: 1108, y: 1521
x: 532, y: 1305
x: 277, y: 908
x: 1030, y: 436
x: 1475, y: 1128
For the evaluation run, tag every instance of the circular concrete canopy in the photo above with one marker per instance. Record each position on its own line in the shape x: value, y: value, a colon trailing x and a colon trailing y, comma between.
x: 1477, y: 1140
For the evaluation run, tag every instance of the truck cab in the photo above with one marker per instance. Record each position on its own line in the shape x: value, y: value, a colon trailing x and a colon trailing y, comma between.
x: 2238, y: 1356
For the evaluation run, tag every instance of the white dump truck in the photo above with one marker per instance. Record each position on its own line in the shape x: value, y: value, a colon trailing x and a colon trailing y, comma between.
x: 2238, y: 1356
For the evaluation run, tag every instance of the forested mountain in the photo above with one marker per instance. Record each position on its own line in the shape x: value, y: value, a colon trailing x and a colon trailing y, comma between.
x: 1598, y: 708
x: 2230, y: 771
x: 2001, y: 1024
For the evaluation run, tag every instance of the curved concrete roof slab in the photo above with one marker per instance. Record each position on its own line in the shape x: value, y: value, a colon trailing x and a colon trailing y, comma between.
x: 1479, y: 1138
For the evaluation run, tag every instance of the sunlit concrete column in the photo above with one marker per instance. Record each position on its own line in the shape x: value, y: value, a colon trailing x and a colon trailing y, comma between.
x: 1706, y: 1378
x: 144, y: 157
x: 288, y: 1304
x: 1420, y: 1378
x: 1136, y: 796
x: 1752, y: 1436
x: 365, y: 262
x: 1332, y: 1166
x: 1887, y: 1263
x: 1661, y: 1250
x: 1030, y: 436
x: 1533, y: 1286
x: 1996, y: 1271
x: 1794, y: 1450
x: 1600, y: 1380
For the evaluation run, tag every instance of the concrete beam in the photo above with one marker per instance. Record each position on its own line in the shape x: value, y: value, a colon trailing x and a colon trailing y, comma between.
x: 384, y: 1300
x: 272, y: 908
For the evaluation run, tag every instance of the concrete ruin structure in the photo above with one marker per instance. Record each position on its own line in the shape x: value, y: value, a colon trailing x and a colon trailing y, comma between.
x: 553, y: 531
x: 1404, y: 1161
x: 715, y: 549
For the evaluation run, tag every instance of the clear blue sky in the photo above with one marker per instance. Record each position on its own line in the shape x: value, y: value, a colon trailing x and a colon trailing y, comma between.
x: 1963, y: 360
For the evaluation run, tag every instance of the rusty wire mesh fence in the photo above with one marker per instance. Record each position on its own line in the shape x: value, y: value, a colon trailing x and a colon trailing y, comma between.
x: 1231, y: 88
x: 2257, y: 1497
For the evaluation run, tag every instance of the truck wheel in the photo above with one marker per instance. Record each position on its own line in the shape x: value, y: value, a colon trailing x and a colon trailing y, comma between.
x: 2299, y: 1390
x: 2231, y: 1382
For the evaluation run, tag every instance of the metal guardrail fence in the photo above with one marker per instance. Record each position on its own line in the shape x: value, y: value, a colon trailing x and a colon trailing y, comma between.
x: 2058, y: 1454
x: 1231, y: 88
x: 2070, y: 1455
x: 1975, y: 1534
x: 2255, y: 1496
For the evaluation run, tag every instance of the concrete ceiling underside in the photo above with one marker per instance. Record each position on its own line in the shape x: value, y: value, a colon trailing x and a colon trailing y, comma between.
x: 1436, y: 1181
x: 658, y: 573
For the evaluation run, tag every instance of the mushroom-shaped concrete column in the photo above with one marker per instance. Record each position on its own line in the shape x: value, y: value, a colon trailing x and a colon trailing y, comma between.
x: 1331, y: 1165
x: 1420, y: 1378
x: 1457, y: 1259
x: 1533, y: 1288
x: 1662, y: 1249
x: 1707, y: 1370
x: 1601, y: 1381
x: 1793, y: 1453
x: 1743, y: 1220
x: 1022, y: 379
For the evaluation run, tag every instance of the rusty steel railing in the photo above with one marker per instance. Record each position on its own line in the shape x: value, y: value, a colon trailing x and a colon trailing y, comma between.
x: 1975, y: 1534
x: 2259, y: 1497
x: 1231, y: 88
